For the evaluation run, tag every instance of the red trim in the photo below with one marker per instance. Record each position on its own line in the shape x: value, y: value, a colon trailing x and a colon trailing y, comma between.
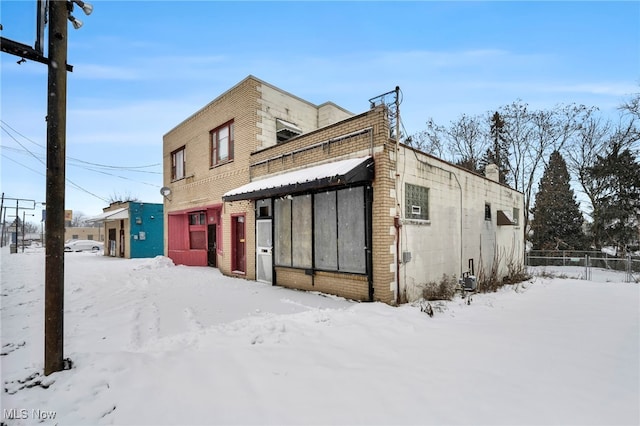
x: 179, y: 232
x: 217, y: 206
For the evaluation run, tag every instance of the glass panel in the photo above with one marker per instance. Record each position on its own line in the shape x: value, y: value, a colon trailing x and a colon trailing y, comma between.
x: 179, y: 164
x: 301, y: 228
x: 282, y: 228
x: 351, y: 230
x: 197, y: 219
x: 263, y: 233
x: 325, y: 232
x: 416, y: 200
x: 223, y: 143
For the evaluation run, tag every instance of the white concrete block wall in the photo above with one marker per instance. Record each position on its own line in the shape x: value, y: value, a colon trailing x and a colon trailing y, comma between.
x: 330, y: 113
x: 274, y: 103
x: 456, y: 230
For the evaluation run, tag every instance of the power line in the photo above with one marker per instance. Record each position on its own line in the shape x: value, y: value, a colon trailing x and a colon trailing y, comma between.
x: 20, y: 164
x: 108, y: 166
x: 73, y: 184
x: 93, y: 169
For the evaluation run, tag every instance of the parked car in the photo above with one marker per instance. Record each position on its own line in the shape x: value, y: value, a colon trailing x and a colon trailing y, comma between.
x: 83, y: 245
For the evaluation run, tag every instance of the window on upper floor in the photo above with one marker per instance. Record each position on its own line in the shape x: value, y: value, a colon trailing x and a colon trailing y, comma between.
x: 178, y: 163
x: 222, y: 144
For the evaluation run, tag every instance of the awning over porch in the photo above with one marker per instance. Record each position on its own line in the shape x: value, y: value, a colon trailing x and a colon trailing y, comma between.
x: 117, y: 214
x: 342, y: 172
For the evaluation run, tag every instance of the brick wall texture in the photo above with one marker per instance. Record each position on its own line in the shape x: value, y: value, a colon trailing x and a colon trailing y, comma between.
x: 362, y: 135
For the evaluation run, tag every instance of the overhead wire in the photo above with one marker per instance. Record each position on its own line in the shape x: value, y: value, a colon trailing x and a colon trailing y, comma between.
x: 130, y: 168
x: 39, y: 158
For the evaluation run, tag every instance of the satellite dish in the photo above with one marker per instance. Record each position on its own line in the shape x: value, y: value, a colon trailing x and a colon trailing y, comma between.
x: 165, y: 191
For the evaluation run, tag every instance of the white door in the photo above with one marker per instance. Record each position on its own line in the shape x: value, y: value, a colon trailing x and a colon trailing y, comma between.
x: 264, y: 249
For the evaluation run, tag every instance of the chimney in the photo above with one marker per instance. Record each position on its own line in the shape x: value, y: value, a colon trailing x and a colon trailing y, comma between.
x: 491, y: 172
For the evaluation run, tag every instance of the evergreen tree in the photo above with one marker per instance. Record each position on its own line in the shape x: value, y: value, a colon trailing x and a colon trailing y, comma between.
x: 557, y: 219
x: 616, y: 212
x: 498, y: 153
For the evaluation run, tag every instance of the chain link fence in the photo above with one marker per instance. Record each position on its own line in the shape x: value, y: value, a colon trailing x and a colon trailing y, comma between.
x: 627, y: 264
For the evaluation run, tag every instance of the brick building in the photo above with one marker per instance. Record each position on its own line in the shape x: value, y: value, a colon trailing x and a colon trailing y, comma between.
x: 264, y: 185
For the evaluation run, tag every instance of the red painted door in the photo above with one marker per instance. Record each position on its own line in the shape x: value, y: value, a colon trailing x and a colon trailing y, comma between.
x: 239, y: 245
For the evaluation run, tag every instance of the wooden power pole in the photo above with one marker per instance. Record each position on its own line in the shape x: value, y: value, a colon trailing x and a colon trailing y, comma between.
x: 55, y: 193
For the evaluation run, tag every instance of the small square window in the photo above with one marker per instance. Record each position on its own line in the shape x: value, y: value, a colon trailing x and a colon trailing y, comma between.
x: 263, y: 208
x: 198, y: 218
x: 416, y: 202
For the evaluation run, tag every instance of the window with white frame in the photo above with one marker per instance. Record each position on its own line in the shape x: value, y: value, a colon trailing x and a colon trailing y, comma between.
x: 178, y: 164
x: 222, y: 144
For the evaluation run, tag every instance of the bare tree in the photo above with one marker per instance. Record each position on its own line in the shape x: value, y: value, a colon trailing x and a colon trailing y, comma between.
x: 427, y: 141
x: 122, y: 198
x: 31, y: 228
x: 532, y: 136
x: 632, y: 106
x: 79, y: 220
x: 590, y: 140
x: 463, y: 142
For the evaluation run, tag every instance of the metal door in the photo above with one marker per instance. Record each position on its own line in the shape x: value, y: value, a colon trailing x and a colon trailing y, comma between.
x: 264, y: 248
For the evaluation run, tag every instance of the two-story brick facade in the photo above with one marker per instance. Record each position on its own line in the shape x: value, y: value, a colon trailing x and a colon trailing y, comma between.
x: 264, y: 185
x: 209, y: 154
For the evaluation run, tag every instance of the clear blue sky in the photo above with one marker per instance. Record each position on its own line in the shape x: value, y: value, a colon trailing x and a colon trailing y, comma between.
x: 140, y: 68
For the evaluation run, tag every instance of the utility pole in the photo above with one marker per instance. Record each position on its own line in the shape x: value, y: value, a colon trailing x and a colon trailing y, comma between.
x: 56, y: 148
x: 59, y: 11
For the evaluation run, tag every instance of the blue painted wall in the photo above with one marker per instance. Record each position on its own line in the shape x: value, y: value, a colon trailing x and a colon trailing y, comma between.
x: 147, y: 229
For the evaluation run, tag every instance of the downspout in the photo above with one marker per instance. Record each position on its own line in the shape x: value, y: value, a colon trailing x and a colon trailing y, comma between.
x: 461, y: 234
x: 398, y: 226
x: 369, y: 238
x: 396, y: 221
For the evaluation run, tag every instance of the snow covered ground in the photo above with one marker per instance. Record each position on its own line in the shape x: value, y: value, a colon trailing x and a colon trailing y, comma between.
x: 153, y: 344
